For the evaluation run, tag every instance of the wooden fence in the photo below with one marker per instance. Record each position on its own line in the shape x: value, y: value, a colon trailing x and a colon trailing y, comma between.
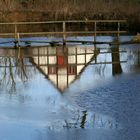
x: 64, y: 33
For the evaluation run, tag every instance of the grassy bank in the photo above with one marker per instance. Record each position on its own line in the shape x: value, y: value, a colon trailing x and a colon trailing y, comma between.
x: 36, y: 10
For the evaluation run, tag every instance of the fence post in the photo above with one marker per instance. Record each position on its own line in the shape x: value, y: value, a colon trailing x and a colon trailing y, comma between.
x: 118, y: 35
x: 95, y: 29
x: 17, y: 37
x: 64, y: 33
x: 15, y: 31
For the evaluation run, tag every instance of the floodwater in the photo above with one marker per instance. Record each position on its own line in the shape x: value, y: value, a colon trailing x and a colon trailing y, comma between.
x: 72, y: 92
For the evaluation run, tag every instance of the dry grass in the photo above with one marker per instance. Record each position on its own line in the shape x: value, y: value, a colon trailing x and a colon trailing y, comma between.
x: 75, y: 9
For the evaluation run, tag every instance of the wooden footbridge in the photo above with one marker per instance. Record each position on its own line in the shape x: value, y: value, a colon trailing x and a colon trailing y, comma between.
x: 17, y: 35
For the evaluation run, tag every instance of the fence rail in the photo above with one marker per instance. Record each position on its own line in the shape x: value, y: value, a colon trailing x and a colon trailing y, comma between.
x: 70, y: 21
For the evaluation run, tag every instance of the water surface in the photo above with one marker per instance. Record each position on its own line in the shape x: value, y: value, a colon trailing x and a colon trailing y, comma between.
x: 73, y: 92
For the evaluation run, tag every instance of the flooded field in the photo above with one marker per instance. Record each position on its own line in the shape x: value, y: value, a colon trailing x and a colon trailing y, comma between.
x: 72, y: 92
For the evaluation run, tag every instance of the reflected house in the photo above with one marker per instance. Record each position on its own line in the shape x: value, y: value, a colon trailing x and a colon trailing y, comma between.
x: 62, y: 65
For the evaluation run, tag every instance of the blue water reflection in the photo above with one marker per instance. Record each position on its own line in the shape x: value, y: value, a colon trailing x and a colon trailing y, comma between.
x: 71, y: 92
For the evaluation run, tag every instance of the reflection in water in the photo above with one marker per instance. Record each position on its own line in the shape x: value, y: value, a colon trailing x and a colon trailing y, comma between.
x: 88, y: 104
x: 12, y: 69
x: 116, y: 67
x: 82, y: 119
x: 134, y: 58
x: 42, y: 104
x: 61, y: 65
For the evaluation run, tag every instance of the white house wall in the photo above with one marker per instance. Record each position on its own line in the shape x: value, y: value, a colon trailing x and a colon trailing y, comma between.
x: 76, y: 57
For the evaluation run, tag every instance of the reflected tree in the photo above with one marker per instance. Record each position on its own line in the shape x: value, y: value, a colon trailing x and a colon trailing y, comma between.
x: 83, y: 121
x: 134, y: 56
x: 13, y: 69
x: 116, y: 66
x: 7, y: 76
